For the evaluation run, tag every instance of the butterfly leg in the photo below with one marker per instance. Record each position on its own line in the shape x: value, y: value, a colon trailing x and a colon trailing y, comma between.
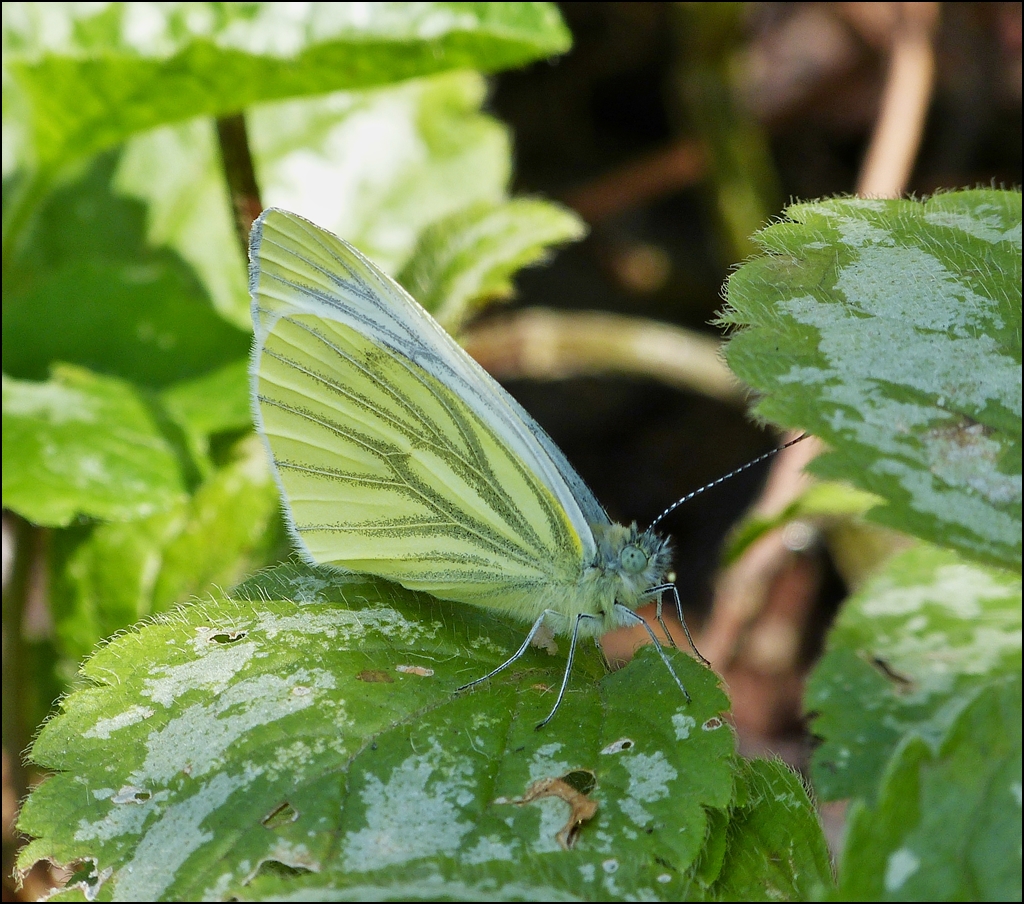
x: 568, y: 668
x: 659, y: 590
x: 657, y: 645
x: 657, y: 593
x: 518, y: 653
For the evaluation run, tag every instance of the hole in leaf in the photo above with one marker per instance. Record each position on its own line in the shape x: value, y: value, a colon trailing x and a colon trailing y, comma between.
x: 278, y: 870
x: 280, y: 816
x: 712, y: 723
x: 85, y: 876
x: 129, y: 794
x: 581, y: 807
x: 582, y: 780
x: 227, y: 637
x: 618, y: 746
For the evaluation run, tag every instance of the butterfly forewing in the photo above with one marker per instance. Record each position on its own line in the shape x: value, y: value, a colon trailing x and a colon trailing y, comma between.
x: 387, y: 468
x: 298, y: 267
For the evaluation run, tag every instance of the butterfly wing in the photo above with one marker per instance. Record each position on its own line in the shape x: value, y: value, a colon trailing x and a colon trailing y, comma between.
x: 398, y: 455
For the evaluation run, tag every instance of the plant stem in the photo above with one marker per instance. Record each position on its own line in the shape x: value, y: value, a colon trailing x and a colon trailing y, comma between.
x: 240, y: 173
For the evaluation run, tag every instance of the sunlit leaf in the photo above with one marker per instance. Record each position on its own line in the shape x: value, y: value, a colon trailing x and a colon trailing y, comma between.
x: 471, y: 256
x: 92, y: 75
x: 892, y: 330
x: 323, y: 736
x: 82, y: 444
x: 106, y: 577
x: 375, y: 167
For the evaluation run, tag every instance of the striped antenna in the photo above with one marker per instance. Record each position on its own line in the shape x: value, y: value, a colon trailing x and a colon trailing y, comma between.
x: 725, y: 477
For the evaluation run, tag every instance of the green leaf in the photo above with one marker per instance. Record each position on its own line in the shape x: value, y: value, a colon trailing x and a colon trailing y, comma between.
x: 217, y: 402
x: 946, y: 826
x: 90, y: 77
x: 177, y: 172
x: 908, y: 654
x: 106, y: 577
x: 85, y: 289
x: 470, y: 257
x: 233, y: 527
x: 892, y: 330
x: 775, y: 849
x: 257, y: 747
x: 82, y: 444
x: 375, y: 167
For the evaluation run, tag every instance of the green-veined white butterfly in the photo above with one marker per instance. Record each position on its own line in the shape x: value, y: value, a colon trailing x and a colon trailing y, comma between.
x: 397, y: 455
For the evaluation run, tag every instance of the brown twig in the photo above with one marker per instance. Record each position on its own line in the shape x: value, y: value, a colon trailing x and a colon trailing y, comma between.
x: 896, y: 139
x: 246, y: 205
x: 24, y: 591
x: 547, y: 345
x: 649, y: 177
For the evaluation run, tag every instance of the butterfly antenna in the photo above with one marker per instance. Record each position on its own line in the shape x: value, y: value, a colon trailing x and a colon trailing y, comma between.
x: 725, y: 477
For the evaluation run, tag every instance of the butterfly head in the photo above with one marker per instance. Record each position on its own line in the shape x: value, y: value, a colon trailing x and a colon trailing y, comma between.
x: 633, y: 560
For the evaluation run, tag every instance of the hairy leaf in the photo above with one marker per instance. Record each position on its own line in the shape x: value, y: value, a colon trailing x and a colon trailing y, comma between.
x: 892, y: 330
x: 946, y: 825
x: 320, y: 745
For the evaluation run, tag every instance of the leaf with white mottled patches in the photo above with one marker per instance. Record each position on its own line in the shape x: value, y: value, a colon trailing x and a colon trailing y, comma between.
x: 209, y: 749
x: 892, y: 330
x: 908, y: 653
x: 946, y: 824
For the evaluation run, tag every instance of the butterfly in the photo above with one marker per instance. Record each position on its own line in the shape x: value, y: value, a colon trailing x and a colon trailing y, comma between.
x: 397, y: 455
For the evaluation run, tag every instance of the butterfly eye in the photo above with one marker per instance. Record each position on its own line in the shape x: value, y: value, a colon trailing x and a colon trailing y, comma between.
x: 633, y: 560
